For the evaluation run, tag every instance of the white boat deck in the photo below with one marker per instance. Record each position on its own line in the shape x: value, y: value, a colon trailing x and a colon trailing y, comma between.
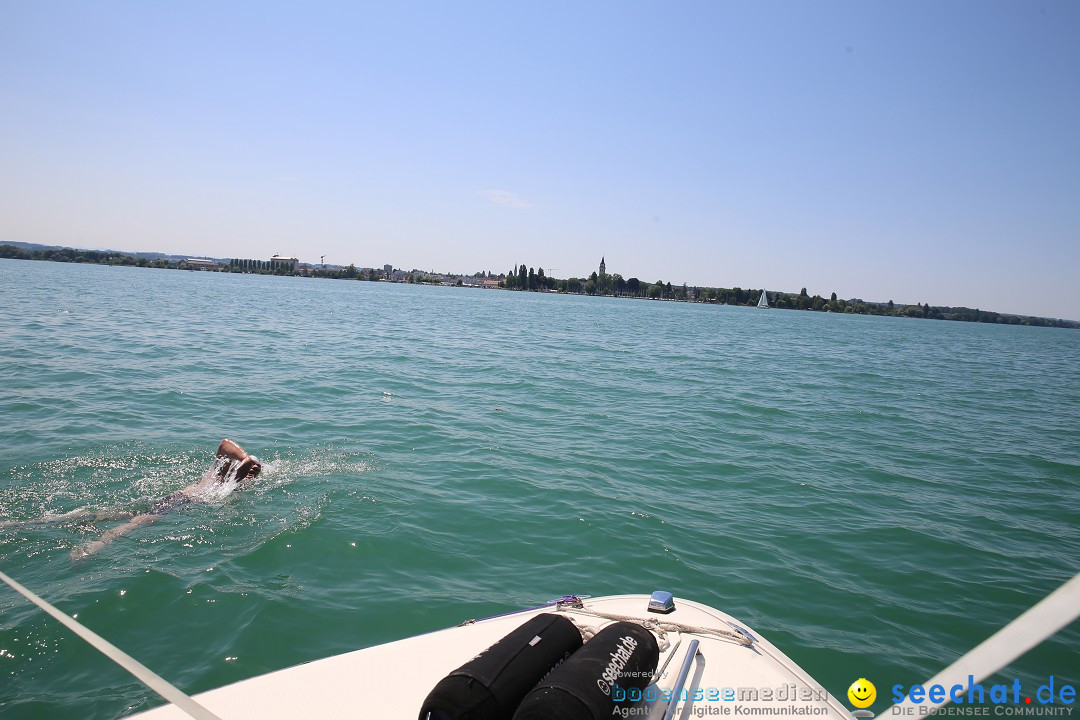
x: 731, y: 674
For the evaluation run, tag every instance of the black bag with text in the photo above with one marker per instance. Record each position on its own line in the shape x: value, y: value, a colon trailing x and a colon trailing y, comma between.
x: 490, y: 686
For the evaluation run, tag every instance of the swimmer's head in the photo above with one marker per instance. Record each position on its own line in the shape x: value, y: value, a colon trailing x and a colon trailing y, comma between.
x: 248, y: 470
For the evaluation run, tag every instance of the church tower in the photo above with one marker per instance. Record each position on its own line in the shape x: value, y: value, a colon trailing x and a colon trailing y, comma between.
x: 603, y: 267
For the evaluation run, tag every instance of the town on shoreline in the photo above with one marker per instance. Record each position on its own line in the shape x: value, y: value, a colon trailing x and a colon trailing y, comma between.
x: 527, y: 279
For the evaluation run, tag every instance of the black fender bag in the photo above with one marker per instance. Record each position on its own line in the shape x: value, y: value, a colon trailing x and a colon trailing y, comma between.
x: 623, y: 655
x: 490, y: 686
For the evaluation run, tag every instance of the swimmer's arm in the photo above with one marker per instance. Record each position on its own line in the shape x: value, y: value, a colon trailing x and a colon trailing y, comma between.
x: 230, y: 453
x: 229, y: 449
x: 236, y: 461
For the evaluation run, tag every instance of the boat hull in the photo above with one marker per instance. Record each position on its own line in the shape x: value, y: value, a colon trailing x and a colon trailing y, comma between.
x: 732, y: 671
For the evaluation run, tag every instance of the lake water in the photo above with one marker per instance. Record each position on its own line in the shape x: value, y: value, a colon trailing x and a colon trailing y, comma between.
x: 874, y: 495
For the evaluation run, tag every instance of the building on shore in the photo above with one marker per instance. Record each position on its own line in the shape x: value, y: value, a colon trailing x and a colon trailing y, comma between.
x: 290, y: 264
x: 200, y: 264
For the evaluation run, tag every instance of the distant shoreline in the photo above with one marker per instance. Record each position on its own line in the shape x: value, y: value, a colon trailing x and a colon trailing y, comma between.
x: 530, y: 282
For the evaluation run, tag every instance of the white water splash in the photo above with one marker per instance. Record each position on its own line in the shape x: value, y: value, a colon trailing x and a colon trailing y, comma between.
x: 212, y: 490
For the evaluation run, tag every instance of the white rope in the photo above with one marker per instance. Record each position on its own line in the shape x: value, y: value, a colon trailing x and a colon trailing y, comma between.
x: 1052, y: 613
x: 660, y: 626
x: 144, y: 674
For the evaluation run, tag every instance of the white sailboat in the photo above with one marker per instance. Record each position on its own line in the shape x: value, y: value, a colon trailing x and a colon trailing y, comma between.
x: 763, y: 301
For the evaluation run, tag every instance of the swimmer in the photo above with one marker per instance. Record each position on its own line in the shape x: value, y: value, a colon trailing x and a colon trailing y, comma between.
x: 231, y: 464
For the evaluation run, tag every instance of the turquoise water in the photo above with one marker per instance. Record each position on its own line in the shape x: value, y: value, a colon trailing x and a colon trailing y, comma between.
x: 875, y: 495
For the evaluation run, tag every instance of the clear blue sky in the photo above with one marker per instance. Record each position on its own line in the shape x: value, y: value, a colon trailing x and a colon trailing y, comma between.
x: 913, y: 151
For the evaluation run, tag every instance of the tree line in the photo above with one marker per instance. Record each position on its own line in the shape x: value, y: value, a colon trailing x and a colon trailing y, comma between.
x: 527, y: 279
x: 71, y: 255
x: 523, y: 278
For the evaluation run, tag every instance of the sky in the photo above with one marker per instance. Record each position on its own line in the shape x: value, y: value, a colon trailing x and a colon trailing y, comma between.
x: 912, y: 151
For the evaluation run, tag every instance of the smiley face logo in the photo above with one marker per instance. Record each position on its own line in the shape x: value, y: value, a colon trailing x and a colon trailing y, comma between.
x: 862, y: 693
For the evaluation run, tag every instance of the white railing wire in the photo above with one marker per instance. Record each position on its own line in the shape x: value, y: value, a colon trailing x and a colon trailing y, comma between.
x: 1049, y: 615
x: 144, y: 674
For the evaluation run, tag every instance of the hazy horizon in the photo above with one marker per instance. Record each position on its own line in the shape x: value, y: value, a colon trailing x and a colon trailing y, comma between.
x: 583, y: 276
x: 914, y: 152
